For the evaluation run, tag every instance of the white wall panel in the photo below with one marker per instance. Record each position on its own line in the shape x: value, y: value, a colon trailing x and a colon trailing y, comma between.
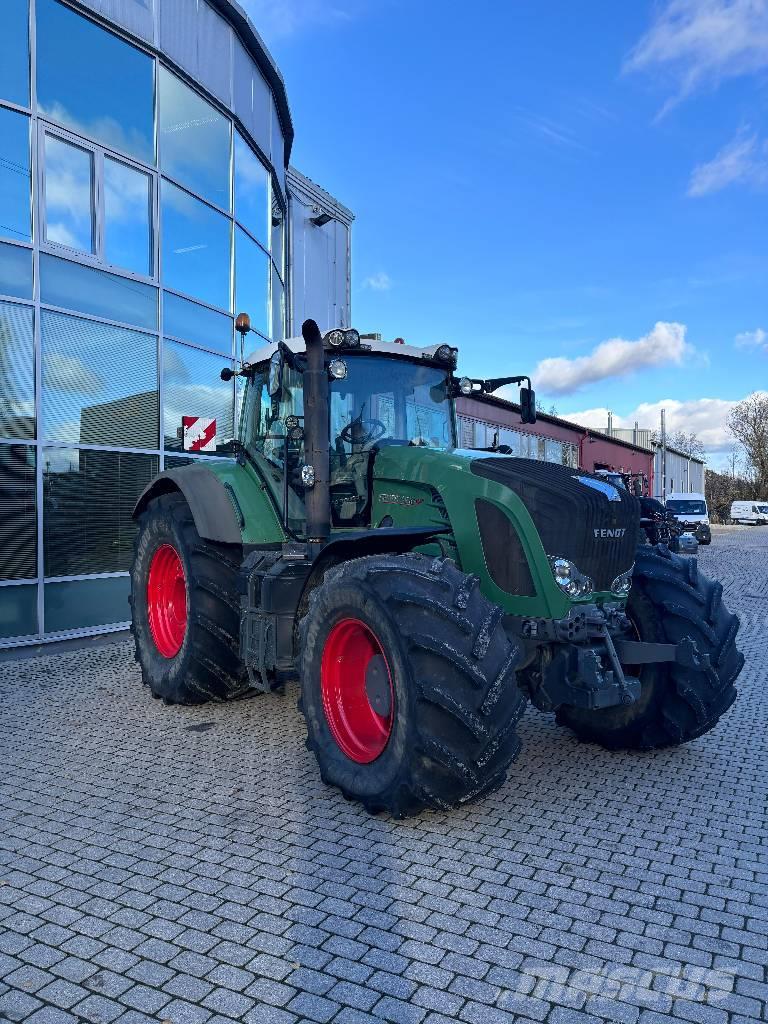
x: 136, y: 16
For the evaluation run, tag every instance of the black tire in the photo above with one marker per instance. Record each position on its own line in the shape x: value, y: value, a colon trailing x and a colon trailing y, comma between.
x: 670, y: 602
x: 207, y: 666
x: 455, y: 696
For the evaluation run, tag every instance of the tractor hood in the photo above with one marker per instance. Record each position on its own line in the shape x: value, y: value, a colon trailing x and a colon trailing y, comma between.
x: 509, y: 514
x: 577, y: 515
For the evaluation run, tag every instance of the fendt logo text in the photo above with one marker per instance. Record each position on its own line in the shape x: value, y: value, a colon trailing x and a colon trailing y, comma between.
x: 400, y: 499
x: 619, y: 532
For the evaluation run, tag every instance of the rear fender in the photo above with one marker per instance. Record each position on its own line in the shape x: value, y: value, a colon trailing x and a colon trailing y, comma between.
x: 229, y: 502
x: 217, y: 516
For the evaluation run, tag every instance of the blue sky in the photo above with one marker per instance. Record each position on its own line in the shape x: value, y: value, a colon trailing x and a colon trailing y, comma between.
x: 577, y: 196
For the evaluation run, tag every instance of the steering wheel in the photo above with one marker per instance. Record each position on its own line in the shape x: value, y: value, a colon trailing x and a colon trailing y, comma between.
x: 360, y: 431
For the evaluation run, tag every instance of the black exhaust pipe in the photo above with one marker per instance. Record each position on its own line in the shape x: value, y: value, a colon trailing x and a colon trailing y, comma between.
x: 316, y: 417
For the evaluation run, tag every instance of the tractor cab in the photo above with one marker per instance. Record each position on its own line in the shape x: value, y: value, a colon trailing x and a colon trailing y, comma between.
x: 378, y: 395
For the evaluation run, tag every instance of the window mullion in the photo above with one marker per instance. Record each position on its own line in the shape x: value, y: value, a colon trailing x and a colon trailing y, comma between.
x: 98, y: 201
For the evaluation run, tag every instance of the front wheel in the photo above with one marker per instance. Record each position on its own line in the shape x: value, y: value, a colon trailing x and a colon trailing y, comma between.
x: 408, y: 684
x: 670, y: 602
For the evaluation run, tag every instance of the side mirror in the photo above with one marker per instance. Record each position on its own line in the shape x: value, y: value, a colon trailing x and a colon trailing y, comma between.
x: 275, y: 382
x: 527, y: 405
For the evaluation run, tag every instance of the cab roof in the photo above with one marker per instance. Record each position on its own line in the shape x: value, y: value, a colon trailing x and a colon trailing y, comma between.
x: 389, y: 348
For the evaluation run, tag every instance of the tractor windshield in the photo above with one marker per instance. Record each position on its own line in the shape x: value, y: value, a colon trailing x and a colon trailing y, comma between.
x: 389, y: 401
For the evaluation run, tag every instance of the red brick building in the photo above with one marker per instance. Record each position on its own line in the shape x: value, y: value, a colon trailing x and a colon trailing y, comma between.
x: 551, y: 439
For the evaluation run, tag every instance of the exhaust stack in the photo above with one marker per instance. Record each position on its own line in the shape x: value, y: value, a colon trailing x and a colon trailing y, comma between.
x: 316, y: 416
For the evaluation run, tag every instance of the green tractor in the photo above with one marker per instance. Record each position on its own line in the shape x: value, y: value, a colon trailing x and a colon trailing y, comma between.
x: 421, y: 592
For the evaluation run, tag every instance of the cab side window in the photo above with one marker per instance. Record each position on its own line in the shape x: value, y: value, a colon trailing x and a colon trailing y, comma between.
x: 278, y: 447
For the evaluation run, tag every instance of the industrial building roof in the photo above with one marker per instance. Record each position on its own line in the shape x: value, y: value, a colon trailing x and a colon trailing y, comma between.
x: 237, y: 17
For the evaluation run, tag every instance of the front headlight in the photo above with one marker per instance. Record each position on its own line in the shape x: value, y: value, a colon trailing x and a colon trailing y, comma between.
x: 447, y: 354
x: 465, y: 386
x: 337, y: 369
x: 622, y: 585
x: 335, y: 338
x: 568, y: 577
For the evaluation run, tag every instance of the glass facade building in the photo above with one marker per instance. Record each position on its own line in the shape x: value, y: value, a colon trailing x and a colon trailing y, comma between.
x: 143, y: 155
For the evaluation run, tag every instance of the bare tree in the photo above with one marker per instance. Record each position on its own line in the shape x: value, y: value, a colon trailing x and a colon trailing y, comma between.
x: 683, y: 441
x: 748, y: 422
x: 722, y: 489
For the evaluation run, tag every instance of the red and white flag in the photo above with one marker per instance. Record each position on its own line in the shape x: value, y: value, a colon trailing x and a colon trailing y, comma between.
x: 199, y: 434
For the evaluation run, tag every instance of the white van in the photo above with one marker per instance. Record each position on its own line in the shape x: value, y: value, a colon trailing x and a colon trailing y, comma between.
x: 691, y: 510
x: 755, y: 513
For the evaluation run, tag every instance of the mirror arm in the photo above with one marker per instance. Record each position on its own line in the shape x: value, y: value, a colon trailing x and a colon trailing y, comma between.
x: 494, y: 383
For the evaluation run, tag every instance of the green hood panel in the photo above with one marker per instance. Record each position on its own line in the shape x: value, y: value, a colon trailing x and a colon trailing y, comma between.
x: 422, y: 485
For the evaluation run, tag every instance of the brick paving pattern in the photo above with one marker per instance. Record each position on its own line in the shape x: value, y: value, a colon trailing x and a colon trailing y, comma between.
x: 187, y: 864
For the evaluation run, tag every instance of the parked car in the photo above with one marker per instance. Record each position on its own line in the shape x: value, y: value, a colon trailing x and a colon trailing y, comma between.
x: 752, y: 513
x: 692, y: 513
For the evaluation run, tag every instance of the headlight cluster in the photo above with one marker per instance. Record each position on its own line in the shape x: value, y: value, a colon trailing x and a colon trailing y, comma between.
x: 338, y: 338
x: 447, y: 354
x: 622, y: 585
x: 569, y: 579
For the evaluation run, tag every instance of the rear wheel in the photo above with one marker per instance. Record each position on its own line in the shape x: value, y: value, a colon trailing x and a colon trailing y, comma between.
x: 670, y: 602
x: 408, y: 684
x: 185, y: 601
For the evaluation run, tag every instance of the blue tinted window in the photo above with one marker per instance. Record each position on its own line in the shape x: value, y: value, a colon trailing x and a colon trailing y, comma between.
x: 18, y: 611
x: 193, y: 388
x: 127, y: 234
x: 15, y: 271
x: 194, y: 141
x: 15, y: 216
x: 251, y: 191
x: 278, y: 307
x: 277, y: 241
x: 76, y: 604
x: 198, y: 324
x: 72, y: 286
x: 93, y: 82
x: 14, y: 53
x: 99, y: 383
x: 88, y: 503
x: 17, y: 371
x: 196, y: 247
x: 18, y: 516
x: 252, y: 281
x: 69, y: 195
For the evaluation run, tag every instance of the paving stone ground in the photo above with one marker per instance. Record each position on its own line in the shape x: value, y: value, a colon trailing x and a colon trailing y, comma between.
x: 187, y: 864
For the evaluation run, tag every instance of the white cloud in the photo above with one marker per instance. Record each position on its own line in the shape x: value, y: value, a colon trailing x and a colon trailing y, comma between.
x: 378, y: 282
x: 613, y: 358
x: 701, y: 42
x: 744, y: 161
x: 275, y: 19
x: 551, y: 131
x: 705, y: 417
x: 753, y: 339
x: 68, y: 373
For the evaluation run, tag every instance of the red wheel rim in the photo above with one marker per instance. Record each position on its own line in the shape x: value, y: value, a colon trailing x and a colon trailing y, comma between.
x: 167, y: 600
x: 360, y: 730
